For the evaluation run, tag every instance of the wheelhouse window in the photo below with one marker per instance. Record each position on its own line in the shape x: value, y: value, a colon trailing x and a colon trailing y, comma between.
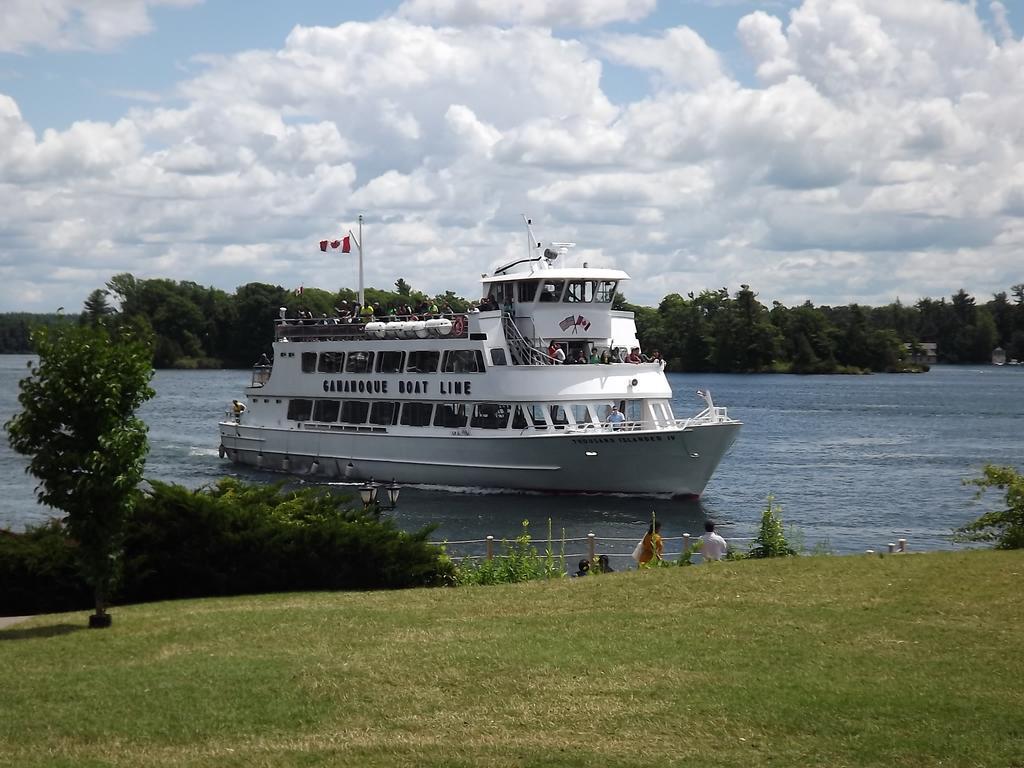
x: 300, y: 410
x: 579, y: 291
x: 331, y: 362
x: 536, y: 415
x: 416, y: 414
x: 605, y: 291
x: 528, y: 289
x: 450, y: 415
x: 422, y: 361
x: 463, y: 361
x: 383, y: 413
x: 390, y: 361
x: 519, y: 419
x: 558, y: 417
x: 501, y: 292
x: 354, y: 411
x: 490, y: 416
x: 498, y: 356
x: 326, y: 410
x: 309, y: 362
x: 551, y: 290
x: 359, y: 362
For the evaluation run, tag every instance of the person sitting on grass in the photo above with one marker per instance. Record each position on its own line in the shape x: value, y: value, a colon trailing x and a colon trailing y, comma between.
x: 652, y: 545
x: 584, y: 568
x: 713, y: 546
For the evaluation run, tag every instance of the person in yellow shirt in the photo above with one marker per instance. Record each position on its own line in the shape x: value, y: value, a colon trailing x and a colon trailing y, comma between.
x: 652, y: 545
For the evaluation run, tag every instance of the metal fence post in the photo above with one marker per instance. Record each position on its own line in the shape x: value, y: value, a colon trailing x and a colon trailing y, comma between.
x: 591, y: 546
x: 903, y: 545
x: 892, y: 547
x: 490, y: 547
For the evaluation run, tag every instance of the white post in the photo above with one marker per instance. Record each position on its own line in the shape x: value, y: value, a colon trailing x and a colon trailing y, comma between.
x: 686, y: 542
x: 591, y: 546
x: 360, y: 244
x: 903, y: 545
x: 892, y: 547
x: 490, y: 547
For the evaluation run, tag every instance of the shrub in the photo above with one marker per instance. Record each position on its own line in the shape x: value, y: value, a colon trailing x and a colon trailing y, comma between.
x: 236, y: 539
x: 1005, y: 526
x: 519, y: 562
x: 39, y: 572
x: 771, y: 540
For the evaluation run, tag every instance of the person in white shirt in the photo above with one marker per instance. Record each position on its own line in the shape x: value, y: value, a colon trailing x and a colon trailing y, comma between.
x: 713, y: 546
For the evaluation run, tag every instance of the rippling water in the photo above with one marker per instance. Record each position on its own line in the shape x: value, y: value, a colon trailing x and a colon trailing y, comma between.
x: 855, y: 462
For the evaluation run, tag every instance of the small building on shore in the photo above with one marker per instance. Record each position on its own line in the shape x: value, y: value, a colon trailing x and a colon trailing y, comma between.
x: 922, y: 352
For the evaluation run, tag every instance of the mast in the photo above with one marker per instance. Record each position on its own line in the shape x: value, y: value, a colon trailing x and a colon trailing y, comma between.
x: 359, y: 243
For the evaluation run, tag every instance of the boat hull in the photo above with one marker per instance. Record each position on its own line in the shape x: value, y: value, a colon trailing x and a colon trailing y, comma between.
x: 675, y: 462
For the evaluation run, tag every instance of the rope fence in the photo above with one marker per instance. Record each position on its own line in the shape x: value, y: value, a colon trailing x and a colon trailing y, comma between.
x: 592, y: 541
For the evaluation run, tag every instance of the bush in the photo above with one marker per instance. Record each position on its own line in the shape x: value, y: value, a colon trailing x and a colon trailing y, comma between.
x: 1005, y: 527
x: 770, y: 540
x: 237, y: 539
x: 39, y: 572
x: 520, y: 562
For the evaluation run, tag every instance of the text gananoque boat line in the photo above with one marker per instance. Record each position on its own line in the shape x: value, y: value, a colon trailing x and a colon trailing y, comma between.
x: 484, y: 398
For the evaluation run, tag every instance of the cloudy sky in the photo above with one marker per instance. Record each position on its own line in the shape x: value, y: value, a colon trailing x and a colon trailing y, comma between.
x: 832, y: 150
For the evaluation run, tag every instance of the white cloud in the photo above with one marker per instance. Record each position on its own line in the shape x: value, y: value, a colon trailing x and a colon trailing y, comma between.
x: 550, y: 13
x: 879, y: 153
x: 75, y: 24
x: 680, y: 55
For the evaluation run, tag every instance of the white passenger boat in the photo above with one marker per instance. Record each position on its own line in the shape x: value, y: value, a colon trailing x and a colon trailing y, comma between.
x: 476, y: 399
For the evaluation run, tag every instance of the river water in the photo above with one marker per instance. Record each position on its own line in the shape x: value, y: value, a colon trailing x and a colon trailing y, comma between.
x: 854, y: 461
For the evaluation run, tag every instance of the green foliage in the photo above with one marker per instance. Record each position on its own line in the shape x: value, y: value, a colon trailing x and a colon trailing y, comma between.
x: 771, y: 539
x: 241, y: 539
x: 1005, y: 527
x: 519, y: 562
x: 39, y: 572
x: 86, y: 446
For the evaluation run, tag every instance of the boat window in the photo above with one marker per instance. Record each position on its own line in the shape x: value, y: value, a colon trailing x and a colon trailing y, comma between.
x: 359, y: 362
x: 490, y: 416
x: 383, y: 413
x: 519, y: 419
x: 390, y: 361
x: 558, y: 417
x: 580, y: 290
x: 605, y: 291
x: 463, y: 361
x: 416, y: 414
x: 299, y: 410
x: 331, y: 362
x: 308, y: 362
x: 498, y: 357
x: 581, y: 414
x: 551, y: 290
x: 354, y: 411
x: 536, y: 414
x: 326, y: 410
x: 634, y: 410
x: 450, y: 415
x: 422, y: 361
x: 528, y: 289
x: 501, y: 292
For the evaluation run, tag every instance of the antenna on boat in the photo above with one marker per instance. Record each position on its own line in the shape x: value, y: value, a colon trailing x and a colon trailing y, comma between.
x: 531, y: 240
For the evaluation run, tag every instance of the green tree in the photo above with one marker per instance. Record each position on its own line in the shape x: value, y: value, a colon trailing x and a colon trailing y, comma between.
x: 87, y: 446
x: 97, y: 308
x: 1005, y: 526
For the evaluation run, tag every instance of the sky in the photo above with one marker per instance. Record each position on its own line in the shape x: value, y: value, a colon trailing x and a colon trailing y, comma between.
x: 828, y: 150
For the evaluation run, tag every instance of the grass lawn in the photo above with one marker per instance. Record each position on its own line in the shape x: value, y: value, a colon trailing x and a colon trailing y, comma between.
x: 913, y: 660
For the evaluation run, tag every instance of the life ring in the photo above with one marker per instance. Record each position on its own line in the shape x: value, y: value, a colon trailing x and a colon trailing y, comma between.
x: 459, y: 326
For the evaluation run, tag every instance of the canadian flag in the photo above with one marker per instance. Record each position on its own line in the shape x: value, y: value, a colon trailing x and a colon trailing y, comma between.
x: 323, y: 245
x: 346, y: 244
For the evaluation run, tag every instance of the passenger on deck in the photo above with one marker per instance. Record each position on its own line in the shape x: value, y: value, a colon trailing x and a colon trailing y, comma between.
x: 559, y: 355
x: 606, y: 357
x: 634, y: 356
x: 237, y: 409
x: 594, y: 357
x: 580, y: 359
x: 615, y: 417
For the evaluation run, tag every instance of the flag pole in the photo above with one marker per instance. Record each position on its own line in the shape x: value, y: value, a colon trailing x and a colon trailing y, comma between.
x: 360, y: 244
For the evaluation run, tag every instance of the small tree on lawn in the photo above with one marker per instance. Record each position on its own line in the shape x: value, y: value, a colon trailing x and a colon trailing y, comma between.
x: 1005, y: 526
x: 771, y: 540
x: 86, y: 445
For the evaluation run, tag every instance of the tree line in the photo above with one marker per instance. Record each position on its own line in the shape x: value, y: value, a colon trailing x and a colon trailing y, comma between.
x: 198, y: 326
